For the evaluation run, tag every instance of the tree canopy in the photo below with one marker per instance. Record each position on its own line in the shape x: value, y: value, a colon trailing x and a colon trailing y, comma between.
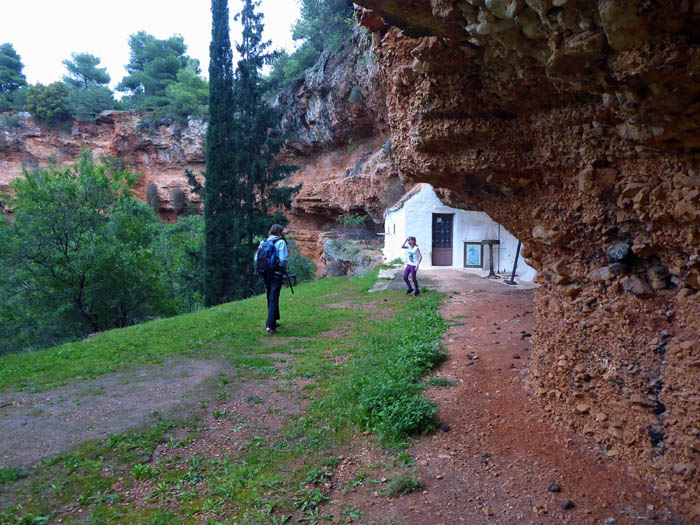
x: 323, y: 25
x: 11, y: 76
x: 48, y: 103
x: 154, y: 65
x: 242, y: 175
x: 83, y: 72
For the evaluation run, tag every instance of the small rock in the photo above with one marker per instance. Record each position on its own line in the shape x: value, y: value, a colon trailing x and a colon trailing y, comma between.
x: 516, y: 356
x: 553, y: 487
x: 619, y: 251
x: 610, y: 521
x: 445, y: 427
x: 567, y: 504
x: 582, y: 408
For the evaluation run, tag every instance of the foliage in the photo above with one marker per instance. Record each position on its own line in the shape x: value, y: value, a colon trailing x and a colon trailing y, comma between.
x: 83, y: 72
x: 180, y: 248
x: 77, y: 256
x: 383, y: 392
x: 305, y: 269
x: 404, y: 485
x: 152, y: 196
x: 352, y: 220
x: 242, y: 172
x: 10, y: 122
x: 49, y: 103
x: 324, y: 25
x: 188, y: 97
x: 10, y: 475
x: 177, y: 197
x: 156, y: 65
x: 89, y: 94
x: 87, y: 103
x: 11, y: 76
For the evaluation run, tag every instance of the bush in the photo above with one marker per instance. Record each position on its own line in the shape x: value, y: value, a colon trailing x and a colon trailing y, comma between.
x: 78, y: 257
x: 305, y: 269
x: 87, y: 103
x: 152, y: 198
x: 10, y: 122
x: 49, y: 103
x: 178, y: 199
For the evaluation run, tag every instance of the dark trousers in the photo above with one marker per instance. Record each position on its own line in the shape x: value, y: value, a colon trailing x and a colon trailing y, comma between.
x: 273, y: 286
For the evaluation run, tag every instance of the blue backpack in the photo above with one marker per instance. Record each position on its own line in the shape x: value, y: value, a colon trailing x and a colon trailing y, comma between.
x: 267, y: 259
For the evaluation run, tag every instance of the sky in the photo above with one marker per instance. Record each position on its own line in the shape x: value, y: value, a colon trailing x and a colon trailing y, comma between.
x: 46, y: 32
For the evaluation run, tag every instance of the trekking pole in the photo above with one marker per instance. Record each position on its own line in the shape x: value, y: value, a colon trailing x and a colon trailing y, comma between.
x: 289, y: 281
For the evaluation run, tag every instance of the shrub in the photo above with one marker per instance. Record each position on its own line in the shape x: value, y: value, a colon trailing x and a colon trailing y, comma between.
x: 152, y: 198
x: 78, y: 257
x: 178, y: 200
x: 49, y: 103
x: 10, y: 122
x: 304, y: 268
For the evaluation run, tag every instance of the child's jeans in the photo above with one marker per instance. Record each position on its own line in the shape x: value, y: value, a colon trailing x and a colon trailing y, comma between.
x: 410, y: 270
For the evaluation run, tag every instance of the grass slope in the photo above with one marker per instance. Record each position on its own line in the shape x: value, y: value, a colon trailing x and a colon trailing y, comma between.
x: 358, y: 362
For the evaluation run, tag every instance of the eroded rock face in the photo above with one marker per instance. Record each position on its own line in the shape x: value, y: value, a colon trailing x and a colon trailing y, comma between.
x: 160, y: 153
x: 576, y: 124
x: 337, y: 115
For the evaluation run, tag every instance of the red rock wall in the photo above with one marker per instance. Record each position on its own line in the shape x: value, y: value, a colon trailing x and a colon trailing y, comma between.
x: 577, y: 126
x: 160, y: 153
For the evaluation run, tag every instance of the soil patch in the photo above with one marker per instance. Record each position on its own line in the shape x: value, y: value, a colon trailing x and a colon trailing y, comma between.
x: 96, y: 408
x: 496, y: 457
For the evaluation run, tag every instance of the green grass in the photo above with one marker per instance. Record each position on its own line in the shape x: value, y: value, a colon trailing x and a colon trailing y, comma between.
x: 278, y: 478
x: 228, y: 330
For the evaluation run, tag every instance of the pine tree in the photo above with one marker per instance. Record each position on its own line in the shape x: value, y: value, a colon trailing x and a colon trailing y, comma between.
x: 242, y: 175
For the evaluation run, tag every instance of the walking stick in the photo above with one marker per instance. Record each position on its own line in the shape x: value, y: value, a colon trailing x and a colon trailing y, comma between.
x: 289, y: 280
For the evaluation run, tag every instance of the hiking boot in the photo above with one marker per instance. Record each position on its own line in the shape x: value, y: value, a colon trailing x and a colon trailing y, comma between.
x: 416, y: 293
x: 409, y: 291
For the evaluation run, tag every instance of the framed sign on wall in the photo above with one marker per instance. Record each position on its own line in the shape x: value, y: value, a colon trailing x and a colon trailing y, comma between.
x: 473, y: 255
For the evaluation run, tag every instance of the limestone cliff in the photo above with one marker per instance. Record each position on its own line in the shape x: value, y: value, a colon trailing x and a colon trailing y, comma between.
x: 337, y: 116
x: 576, y: 124
x: 160, y: 153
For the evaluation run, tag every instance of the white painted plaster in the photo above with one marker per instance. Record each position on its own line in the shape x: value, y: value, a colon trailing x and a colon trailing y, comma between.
x: 413, y: 215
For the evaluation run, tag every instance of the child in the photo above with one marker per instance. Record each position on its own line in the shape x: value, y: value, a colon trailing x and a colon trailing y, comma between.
x: 413, y: 259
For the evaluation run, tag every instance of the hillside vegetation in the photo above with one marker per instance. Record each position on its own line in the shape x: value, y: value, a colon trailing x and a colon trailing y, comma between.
x: 343, y: 361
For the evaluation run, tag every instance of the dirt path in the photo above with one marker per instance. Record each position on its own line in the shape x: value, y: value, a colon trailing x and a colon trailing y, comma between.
x: 497, y: 456
x: 34, y: 426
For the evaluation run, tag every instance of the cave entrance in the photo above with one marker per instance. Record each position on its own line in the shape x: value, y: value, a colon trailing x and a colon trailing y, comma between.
x: 442, y: 239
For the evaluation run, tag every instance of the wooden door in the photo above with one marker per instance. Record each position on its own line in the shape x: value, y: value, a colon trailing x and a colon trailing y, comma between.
x: 442, y: 239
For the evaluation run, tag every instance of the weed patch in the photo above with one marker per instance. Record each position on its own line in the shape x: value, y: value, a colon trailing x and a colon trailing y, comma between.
x: 382, y: 391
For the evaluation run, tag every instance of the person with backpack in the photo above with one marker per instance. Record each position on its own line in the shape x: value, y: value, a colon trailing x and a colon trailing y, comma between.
x: 271, y: 264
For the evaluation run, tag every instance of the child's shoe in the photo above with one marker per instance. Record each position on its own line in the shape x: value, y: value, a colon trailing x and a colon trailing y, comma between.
x: 416, y: 293
x: 409, y: 291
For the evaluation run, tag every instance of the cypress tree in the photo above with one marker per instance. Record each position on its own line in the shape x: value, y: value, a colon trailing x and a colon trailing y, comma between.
x: 242, y: 176
x: 221, y: 215
x: 256, y: 141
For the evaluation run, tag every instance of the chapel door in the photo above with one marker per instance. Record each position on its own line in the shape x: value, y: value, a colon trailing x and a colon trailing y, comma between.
x: 442, y: 239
